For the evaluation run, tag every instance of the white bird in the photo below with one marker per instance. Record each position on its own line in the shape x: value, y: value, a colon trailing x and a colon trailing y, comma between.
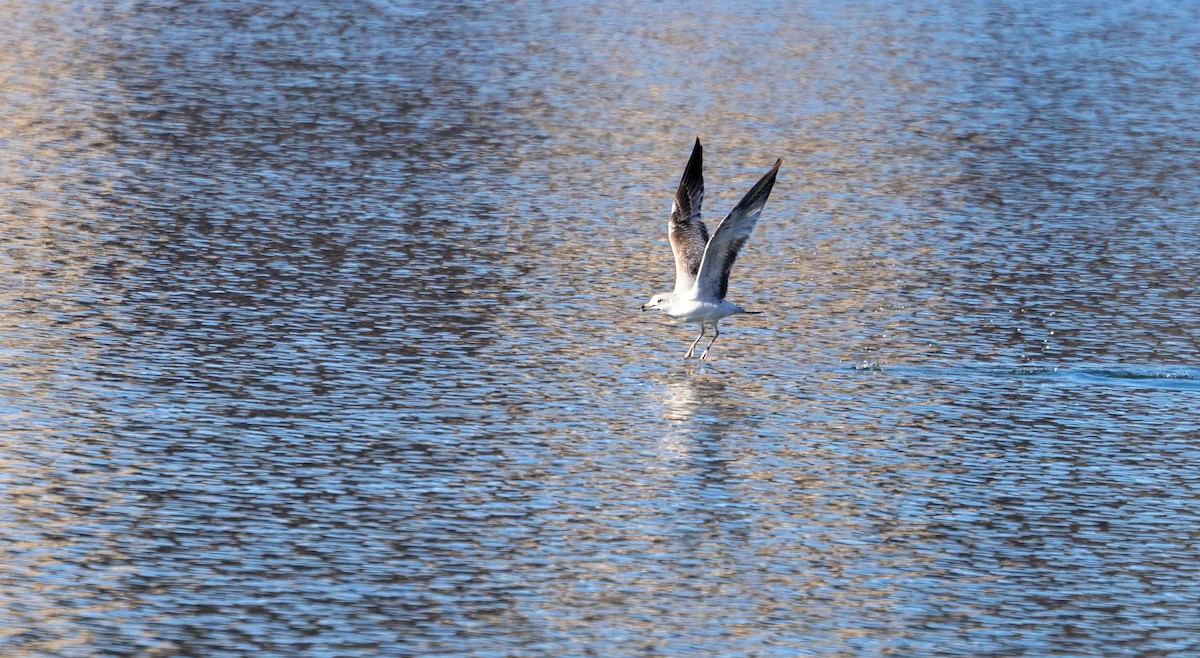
x: 702, y: 265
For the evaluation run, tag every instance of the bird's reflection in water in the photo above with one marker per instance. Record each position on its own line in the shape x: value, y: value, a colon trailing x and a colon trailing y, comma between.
x: 707, y: 425
x: 696, y: 396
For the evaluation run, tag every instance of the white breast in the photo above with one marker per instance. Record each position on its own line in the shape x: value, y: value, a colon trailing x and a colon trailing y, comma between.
x: 706, y: 312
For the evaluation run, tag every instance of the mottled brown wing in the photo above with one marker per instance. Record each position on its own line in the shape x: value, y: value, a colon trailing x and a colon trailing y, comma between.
x: 687, y: 233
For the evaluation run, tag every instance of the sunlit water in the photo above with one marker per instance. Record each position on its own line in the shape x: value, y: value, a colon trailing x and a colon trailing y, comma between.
x: 320, y: 330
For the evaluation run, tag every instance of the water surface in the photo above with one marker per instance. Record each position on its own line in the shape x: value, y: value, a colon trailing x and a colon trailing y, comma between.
x: 320, y: 330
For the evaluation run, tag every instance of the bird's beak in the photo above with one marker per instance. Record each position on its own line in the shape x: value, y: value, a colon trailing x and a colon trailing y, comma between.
x: 643, y: 307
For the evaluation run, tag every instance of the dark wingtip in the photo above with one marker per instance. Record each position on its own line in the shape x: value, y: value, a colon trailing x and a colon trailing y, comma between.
x: 761, y: 190
x: 693, y: 173
x: 774, y: 170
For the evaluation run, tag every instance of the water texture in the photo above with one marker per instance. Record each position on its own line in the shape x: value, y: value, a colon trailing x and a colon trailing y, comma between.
x: 319, y: 330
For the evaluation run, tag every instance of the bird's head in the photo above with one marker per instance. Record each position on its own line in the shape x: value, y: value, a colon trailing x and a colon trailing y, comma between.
x: 660, y: 302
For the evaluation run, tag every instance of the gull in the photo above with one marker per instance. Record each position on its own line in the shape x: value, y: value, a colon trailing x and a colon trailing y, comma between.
x: 702, y: 264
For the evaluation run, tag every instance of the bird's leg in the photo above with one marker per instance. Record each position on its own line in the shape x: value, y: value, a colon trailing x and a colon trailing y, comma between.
x: 692, y: 350
x: 716, y: 332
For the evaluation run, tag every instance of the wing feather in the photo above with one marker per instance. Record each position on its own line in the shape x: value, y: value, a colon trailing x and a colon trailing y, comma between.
x: 712, y: 280
x: 687, y: 233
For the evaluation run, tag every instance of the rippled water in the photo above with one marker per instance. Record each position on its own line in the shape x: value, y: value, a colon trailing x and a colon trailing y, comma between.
x: 320, y: 330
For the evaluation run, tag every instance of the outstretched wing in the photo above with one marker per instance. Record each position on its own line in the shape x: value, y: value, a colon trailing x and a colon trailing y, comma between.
x: 733, y: 231
x: 687, y: 233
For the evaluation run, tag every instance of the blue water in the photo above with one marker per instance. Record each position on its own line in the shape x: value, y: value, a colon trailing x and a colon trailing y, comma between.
x: 319, y: 330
